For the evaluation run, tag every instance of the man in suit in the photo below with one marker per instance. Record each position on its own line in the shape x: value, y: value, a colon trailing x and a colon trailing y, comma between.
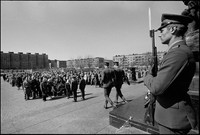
x: 82, y: 85
x: 120, y: 78
x: 19, y: 81
x: 33, y: 86
x: 174, y: 112
x: 108, y: 77
x: 67, y: 87
x: 74, y: 87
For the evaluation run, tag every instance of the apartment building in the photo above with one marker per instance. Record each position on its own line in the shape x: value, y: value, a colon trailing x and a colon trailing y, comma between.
x: 135, y: 59
x: 20, y: 60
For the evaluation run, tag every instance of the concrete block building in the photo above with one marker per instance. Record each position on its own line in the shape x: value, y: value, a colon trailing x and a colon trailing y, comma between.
x: 20, y: 60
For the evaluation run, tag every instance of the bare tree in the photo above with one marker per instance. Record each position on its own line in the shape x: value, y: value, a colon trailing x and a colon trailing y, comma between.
x: 123, y: 60
x: 70, y: 64
x: 80, y: 63
x: 89, y: 61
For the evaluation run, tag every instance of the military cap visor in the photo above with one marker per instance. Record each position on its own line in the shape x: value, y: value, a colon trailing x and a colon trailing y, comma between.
x: 168, y: 19
x: 165, y: 24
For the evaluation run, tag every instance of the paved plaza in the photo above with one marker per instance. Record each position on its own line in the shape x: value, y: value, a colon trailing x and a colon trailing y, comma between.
x: 61, y: 115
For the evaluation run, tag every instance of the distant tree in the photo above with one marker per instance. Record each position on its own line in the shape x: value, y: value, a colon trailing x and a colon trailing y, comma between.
x: 76, y: 63
x: 80, y: 62
x: 70, y: 63
x: 89, y: 61
x: 123, y: 60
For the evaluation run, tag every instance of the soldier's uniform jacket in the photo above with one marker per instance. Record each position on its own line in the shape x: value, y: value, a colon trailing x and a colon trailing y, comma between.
x: 170, y: 86
x: 108, y: 77
x: 120, y: 77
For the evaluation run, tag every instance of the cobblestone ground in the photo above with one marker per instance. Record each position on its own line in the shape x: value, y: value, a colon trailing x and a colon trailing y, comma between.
x: 60, y: 115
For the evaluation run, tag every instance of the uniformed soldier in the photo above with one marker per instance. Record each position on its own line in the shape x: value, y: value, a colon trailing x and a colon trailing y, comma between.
x: 174, y: 112
x: 108, y: 77
x: 120, y: 78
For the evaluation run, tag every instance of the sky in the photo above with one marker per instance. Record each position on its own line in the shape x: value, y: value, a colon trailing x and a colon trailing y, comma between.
x: 67, y: 30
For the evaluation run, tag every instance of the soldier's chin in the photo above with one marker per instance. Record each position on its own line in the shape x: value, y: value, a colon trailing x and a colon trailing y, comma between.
x: 164, y: 42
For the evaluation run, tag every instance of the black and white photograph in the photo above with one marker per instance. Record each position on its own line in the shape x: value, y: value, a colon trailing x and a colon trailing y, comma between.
x: 99, y: 67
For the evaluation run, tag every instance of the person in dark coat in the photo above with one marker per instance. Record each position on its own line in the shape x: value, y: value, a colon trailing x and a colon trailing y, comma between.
x: 108, y: 77
x: 120, y: 77
x: 33, y: 87
x: 96, y: 79
x: 4, y: 77
x: 74, y: 87
x: 82, y: 85
x: 38, y: 90
x: 13, y: 80
x: 19, y: 81
x: 67, y: 87
x: 174, y: 112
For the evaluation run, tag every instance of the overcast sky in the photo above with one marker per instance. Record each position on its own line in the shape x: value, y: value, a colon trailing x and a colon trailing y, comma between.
x: 77, y: 29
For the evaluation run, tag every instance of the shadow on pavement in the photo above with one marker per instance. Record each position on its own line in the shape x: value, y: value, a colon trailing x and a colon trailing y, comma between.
x: 122, y: 103
x: 57, y: 97
x: 86, y: 98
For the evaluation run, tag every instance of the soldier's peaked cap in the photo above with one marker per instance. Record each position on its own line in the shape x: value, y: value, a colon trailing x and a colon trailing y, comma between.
x: 167, y: 19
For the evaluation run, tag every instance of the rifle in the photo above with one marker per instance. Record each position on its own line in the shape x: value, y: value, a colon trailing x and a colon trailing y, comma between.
x: 154, y: 54
x: 150, y: 103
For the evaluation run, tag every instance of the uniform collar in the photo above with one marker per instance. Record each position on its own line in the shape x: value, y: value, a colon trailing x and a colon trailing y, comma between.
x: 175, y: 44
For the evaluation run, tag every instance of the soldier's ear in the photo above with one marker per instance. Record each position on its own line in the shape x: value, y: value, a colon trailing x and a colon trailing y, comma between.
x: 173, y: 29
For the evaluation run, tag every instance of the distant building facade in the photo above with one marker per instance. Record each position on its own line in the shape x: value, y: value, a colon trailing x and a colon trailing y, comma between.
x: 96, y: 62
x: 62, y: 64
x: 53, y: 63
x: 135, y: 59
x: 20, y: 60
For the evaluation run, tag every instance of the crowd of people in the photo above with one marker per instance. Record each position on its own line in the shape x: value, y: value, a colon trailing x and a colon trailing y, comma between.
x: 52, y: 83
